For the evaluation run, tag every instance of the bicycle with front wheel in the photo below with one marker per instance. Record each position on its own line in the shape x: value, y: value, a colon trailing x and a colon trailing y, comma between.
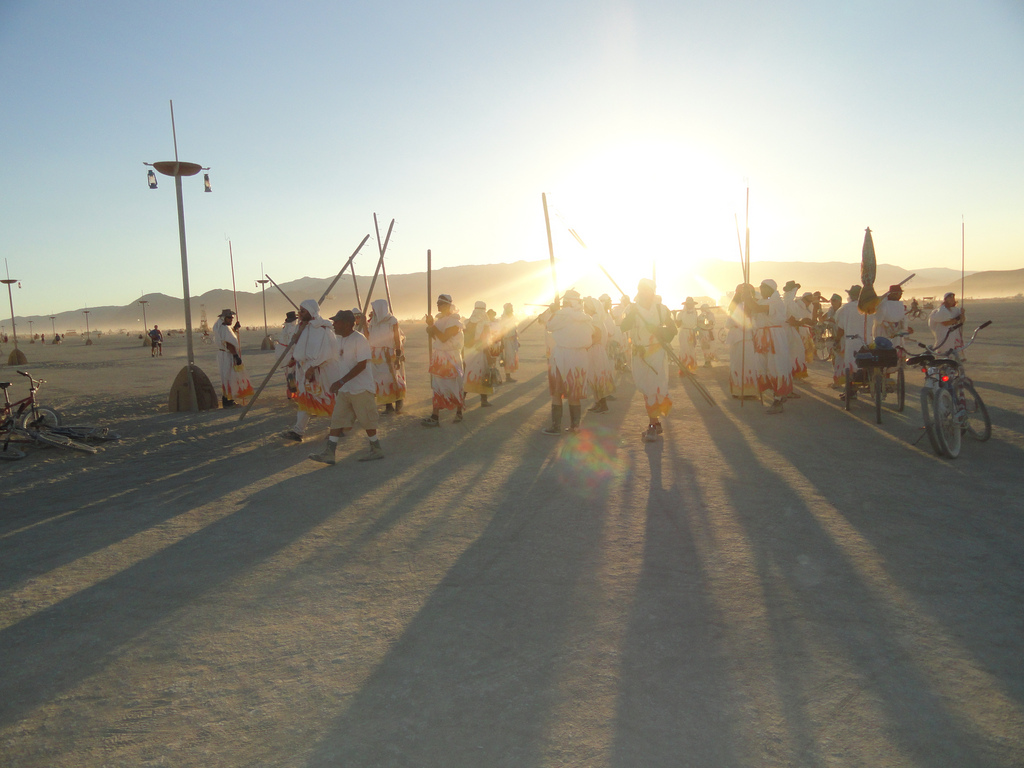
x: 25, y: 421
x: 950, y: 405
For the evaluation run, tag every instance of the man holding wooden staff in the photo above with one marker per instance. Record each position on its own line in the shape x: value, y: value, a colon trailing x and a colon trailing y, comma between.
x: 315, y: 360
x: 446, y: 370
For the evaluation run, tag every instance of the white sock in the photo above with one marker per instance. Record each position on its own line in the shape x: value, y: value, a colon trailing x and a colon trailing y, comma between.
x: 333, y: 438
x: 301, y: 420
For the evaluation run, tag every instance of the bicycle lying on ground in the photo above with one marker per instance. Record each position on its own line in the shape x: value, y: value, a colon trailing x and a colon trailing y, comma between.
x: 25, y: 421
x: 950, y: 405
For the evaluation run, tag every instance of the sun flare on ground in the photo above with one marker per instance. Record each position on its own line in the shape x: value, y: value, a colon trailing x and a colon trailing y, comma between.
x: 640, y: 209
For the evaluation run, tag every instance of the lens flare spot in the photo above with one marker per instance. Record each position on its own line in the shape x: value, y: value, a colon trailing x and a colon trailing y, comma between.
x: 589, y: 461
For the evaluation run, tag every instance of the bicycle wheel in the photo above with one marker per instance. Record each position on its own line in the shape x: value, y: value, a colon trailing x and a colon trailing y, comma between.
x: 947, y: 430
x: 979, y: 426
x: 901, y: 390
x: 43, y: 417
x: 927, y: 409
x: 877, y: 390
x: 10, y: 454
x: 94, y: 434
x: 61, y: 441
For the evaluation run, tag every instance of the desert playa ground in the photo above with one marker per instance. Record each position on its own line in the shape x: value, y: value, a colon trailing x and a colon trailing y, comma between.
x: 810, y: 589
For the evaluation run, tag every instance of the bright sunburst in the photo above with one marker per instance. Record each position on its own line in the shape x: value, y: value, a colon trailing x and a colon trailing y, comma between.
x: 645, y: 208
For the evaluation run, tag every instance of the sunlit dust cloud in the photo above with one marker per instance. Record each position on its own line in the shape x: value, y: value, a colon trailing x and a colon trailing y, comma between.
x: 589, y: 461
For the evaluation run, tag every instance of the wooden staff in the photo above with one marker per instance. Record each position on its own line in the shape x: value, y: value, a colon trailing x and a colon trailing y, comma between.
x: 380, y: 263
x: 551, y: 247
x: 430, y: 311
x: 234, y: 293
x: 355, y: 285
x: 383, y: 267
x: 296, y: 337
x: 282, y: 292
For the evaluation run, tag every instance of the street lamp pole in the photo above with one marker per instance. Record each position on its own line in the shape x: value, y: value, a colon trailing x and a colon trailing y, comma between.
x: 31, y: 334
x: 177, y: 169
x: 267, y: 343
x: 53, y: 327
x: 17, y: 357
x: 88, y: 338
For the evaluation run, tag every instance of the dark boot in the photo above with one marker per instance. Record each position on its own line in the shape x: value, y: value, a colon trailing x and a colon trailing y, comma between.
x: 483, y: 401
x: 225, y: 403
x: 398, y: 405
x: 574, y: 418
x: 556, y: 421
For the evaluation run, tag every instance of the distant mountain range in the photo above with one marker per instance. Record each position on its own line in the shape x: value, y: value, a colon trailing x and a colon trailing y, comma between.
x: 521, y: 283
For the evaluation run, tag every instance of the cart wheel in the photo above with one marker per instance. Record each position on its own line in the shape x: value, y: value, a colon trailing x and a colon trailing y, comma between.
x: 877, y: 385
x: 901, y: 390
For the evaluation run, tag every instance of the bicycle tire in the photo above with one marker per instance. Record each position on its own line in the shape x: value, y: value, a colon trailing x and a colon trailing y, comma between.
x: 61, y: 441
x: 11, y: 454
x: 901, y: 390
x: 82, y: 432
x: 947, y: 431
x: 877, y: 383
x: 45, y: 417
x: 979, y: 425
x: 927, y: 397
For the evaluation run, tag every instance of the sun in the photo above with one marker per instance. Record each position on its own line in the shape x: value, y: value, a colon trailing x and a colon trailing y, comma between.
x: 644, y: 208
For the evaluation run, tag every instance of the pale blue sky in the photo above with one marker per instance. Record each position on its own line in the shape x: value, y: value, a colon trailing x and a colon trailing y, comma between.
x: 640, y: 120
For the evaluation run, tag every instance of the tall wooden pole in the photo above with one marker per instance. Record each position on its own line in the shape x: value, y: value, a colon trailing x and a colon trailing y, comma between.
x: 234, y: 293
x: 551, y: 247
x: 430, y: 311
x: 962, y: 274
x: 382, y: 249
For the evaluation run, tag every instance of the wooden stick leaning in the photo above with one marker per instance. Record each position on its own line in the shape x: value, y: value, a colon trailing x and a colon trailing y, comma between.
x: 430, y: 311
x: 383, y: 266
x: 282, y: 292
x: 296, y: 337
x: 380, y: 263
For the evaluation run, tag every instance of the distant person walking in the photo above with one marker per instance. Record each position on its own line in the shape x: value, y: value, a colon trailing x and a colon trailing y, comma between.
x: 650, y: 325
x: 477, y: 337
x: 156, y: 342
x: 509, y: 342
x: 572, y: 334
x: 354, y: 391
x: 233, y: 380
x: 942, y: 320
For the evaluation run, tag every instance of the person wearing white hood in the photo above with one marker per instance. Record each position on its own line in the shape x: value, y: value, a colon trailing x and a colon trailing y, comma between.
x: 772, y: 346
x: 651, y: 329
x: 317, y: 365
x: 572, y: 333
x: 388, y: 363
x: 477, y: 340
x: 446, y: 371
x: 796, y: 315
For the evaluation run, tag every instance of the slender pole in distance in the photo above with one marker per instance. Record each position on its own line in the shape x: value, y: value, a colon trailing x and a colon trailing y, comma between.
x: 551, y: 247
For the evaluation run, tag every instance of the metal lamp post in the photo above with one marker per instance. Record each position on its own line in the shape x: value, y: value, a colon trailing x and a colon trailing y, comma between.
x: 53, y: 327
x: 193, y: 376
x: 31, y: 333
x: 88, y: 338
x: 268, y: 343
x: 145, y: 324
x: 17, y: 357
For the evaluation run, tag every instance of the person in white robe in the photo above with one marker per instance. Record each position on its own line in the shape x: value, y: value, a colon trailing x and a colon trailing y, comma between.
x: 687, y: 322
x: 315, y: 360
x: 572, y: 333
x: 796, y: 315
x: 288, y: 331
x: 941, y: 321
x: 234, y: 383
x: 890, y: 318
x: 477, y: 334
x: 853, y: 329
x: 387, y: 358
x: 601, y: 368
x: 650, y: 326
x: 508, y: 329
x: 772, y: 346
x: 445, y: 331
x: 743, y: 360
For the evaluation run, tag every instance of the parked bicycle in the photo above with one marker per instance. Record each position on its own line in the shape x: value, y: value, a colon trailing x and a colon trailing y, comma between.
x: 25, y: 421
x: 950, y: 405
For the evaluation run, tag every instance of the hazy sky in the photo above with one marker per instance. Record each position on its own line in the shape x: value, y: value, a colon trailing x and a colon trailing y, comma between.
x: 642, y: 121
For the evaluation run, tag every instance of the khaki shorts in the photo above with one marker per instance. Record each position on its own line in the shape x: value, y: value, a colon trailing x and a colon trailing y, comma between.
x: 352, y: 407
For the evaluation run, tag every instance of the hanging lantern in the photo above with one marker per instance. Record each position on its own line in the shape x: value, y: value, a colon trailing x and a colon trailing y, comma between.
x: 206, y: 183
x: 151, y: 177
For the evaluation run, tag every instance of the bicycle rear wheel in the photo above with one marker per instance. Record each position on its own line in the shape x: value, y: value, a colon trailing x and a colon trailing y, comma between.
x: 62, y: 441
x: 43, y: 417
x: 947, y: 430
x: 979, y: 425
